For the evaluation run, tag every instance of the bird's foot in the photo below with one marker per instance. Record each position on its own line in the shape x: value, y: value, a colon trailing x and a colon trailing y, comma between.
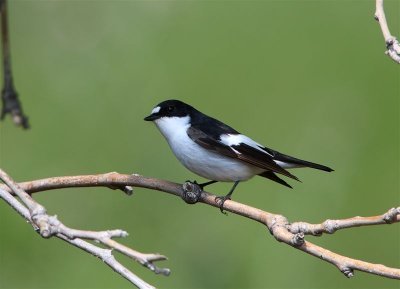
x: 191, y: 192
x: 197, y: 184
x: 220, y: 202
x: 201, y: 186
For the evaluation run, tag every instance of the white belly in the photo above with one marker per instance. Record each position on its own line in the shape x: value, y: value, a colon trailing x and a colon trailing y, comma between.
x: 211, y: 165
x: 203, y: 162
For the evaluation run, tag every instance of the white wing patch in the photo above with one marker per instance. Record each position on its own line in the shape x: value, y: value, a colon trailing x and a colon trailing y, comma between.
x: 287, y: 165
x: 236, y: 151
x: 156, y: 109
x: 237, y: 139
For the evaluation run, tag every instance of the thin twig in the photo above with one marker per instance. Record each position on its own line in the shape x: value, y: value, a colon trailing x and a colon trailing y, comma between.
x: 49, y: 226
x: 331, y: 226
x: 11, y: 103
x: 392, y: 44
x: 279, y: 226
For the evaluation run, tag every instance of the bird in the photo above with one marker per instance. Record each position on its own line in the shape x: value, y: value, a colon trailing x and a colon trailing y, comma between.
x: 217, y: 152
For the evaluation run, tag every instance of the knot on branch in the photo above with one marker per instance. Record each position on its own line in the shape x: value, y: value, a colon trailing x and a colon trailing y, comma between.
x: 279, y: 227
x: 298, y: 239
x: 157, y: 270
x: 128, y: 190
x: 347, y: 271
x: 393, y: 49
x: 191, y: 192
x: 106, y: 255
x: 277, y: 221
x: 330, y: 226
x: 147, y: 261
x: 390, y: 42
x: 45, y: 228
x: 391, y: 215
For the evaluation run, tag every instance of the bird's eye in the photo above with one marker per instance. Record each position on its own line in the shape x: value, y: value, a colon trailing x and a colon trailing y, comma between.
x: 170, y: 108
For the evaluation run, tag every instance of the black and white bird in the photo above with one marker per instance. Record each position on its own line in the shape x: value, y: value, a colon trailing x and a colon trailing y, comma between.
x: 217, y: 152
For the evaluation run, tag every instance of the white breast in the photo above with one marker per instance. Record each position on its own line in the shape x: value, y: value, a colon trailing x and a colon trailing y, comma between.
x: 201, y: 161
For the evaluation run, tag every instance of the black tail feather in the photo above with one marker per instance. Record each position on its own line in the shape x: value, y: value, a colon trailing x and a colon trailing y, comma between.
x: 270, y: 175
x: 291, y: 160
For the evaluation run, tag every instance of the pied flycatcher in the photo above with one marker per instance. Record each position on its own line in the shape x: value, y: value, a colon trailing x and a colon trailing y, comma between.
x: 217, y: 152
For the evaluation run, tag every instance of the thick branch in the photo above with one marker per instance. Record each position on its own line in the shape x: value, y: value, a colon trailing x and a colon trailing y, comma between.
x: 392, y: 44
x: 279, y: 226
x: 49, y: 226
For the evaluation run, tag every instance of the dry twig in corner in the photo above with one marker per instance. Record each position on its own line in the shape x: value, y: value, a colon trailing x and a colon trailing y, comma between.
x: 392, y: 44
x: 289, y: 233
x: 48, y: 226
x: 9, y: 96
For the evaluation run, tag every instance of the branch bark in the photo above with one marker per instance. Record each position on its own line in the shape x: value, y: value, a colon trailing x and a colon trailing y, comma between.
x: 48, y: 226
x: 291, y: 234
x: 392, y: 44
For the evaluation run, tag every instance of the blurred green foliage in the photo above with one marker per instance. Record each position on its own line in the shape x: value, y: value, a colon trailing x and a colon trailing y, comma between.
x: 306, y: 77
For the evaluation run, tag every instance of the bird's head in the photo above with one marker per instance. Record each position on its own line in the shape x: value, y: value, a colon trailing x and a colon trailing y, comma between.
x: 170, y: 109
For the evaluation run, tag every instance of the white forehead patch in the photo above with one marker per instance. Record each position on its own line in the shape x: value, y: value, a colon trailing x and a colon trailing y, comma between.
x: 156, y: 109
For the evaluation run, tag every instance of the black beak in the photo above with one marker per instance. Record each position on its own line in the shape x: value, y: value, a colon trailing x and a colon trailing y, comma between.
x: 151, y: 117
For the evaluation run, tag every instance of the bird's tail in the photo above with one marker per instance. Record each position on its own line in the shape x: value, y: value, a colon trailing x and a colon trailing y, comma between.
x: 301, y: 163
x: 270, y: 175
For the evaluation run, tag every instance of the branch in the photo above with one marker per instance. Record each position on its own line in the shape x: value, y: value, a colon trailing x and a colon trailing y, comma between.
x: 11, y: 103
x: 48, y: 226
x: 331, y: 226
x: 279, y: 226
x: 392, y: 44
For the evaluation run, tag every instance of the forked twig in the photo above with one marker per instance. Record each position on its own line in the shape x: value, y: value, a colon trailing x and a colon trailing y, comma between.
x: 48, y: 226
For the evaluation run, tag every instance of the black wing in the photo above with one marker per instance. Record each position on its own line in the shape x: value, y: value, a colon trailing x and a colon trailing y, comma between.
x: 242, y: 151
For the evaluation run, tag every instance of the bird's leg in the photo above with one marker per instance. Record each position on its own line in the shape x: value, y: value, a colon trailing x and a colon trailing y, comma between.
x: 221, y: 200
x: 201, y: 186
x: 205, y: 184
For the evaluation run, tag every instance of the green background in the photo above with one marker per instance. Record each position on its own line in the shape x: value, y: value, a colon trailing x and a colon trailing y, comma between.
x: 308, y: 78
